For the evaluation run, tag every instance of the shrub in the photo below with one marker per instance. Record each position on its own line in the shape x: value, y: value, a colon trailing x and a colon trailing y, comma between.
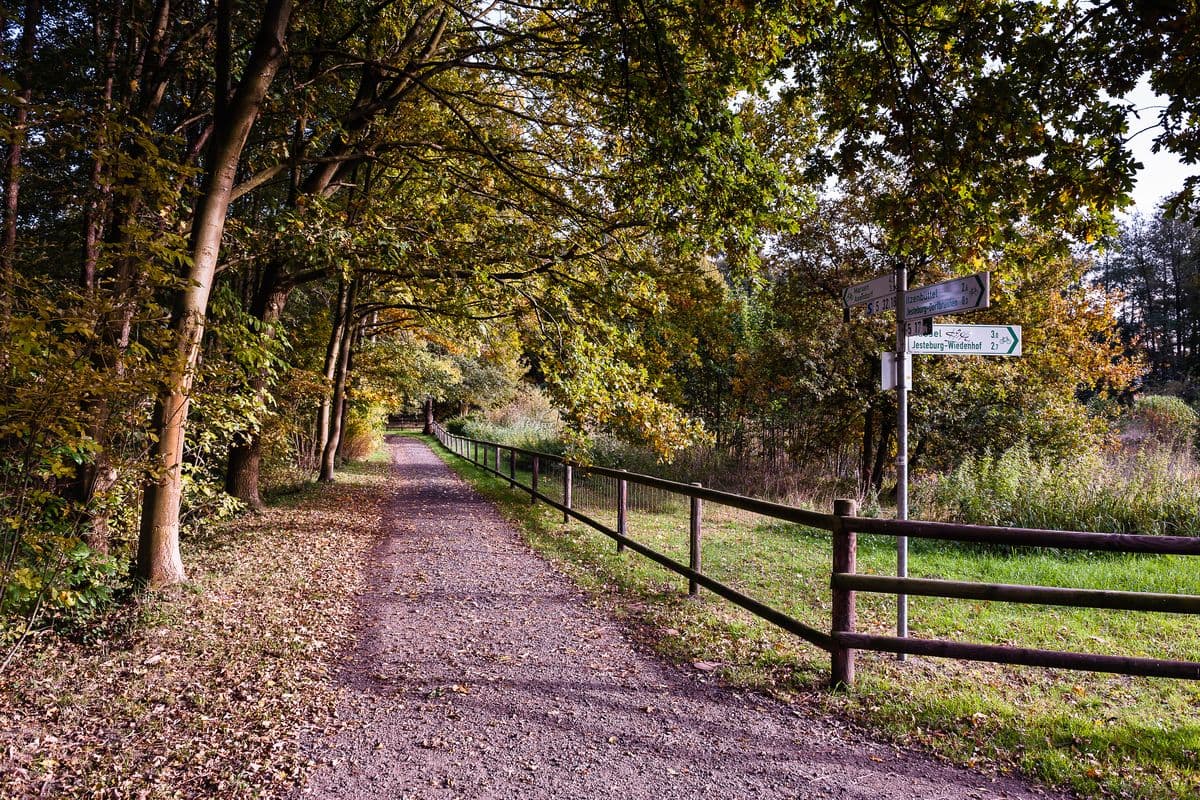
x: 363, y: 434
x: 1155, y: 491
x: 1166, y: 420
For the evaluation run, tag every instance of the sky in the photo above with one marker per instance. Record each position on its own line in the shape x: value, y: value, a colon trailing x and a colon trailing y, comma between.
x: 1161, y: 173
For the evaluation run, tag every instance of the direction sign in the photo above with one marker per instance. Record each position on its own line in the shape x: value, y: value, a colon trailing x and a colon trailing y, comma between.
x: 875, y: 289
x: 969, y: 340
x: 948, y: 297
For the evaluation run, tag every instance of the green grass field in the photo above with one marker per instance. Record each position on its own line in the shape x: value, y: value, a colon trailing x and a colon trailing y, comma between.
x: 1100, y: 735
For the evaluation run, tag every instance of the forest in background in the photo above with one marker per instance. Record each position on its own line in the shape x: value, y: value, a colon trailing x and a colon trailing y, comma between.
x: 235, y: 235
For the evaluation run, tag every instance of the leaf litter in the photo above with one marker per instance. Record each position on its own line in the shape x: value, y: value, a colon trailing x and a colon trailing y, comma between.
x: 206, y: 689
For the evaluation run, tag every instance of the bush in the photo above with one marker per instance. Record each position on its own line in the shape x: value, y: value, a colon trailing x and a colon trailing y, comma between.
x: 528, y: 421
x: 363, y: 434
x: 1155, y: 491
x: 1169, y: 421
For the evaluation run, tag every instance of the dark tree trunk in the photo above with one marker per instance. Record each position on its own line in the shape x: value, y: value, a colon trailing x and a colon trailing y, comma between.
x: 12, y: 161
x: 241, y: 481
x: 887, y: 427
x: 864, y: 462
x: 428, y: 416
x: 244, y: 467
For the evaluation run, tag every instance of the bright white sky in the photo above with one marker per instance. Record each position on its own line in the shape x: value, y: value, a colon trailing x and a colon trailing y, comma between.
x: 1161, y: 173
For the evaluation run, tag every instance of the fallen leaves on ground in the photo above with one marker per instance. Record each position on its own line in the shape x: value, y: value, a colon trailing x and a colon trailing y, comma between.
x: 206, y: 690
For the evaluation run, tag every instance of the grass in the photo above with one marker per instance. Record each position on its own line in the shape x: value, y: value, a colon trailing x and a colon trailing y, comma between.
x: 1099, y: 735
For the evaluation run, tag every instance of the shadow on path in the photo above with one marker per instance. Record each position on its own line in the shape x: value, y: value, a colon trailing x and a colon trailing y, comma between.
x: 482, y: 673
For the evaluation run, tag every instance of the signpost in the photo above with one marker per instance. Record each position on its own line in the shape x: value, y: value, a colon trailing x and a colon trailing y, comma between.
x: 916, y: 333
x: 968, y: 340
x: 862, y: 293
x: 948, y: 297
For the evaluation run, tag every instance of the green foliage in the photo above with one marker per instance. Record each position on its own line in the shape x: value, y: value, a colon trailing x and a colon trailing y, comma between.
x: 60, y: 582
x: 1153, y: 491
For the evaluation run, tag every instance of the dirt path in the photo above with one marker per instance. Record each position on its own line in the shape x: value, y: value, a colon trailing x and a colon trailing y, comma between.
x: 482, y: 673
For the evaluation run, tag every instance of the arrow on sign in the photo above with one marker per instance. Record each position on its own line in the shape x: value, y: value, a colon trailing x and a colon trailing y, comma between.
x: 948, y: 297
x: 969, y: 340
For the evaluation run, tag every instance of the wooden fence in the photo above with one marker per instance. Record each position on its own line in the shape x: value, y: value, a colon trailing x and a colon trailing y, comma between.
x: 555, y: 481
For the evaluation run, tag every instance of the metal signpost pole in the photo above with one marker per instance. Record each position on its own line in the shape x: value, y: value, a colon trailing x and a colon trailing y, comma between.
x: 915, y: 311
x: 902, y: 378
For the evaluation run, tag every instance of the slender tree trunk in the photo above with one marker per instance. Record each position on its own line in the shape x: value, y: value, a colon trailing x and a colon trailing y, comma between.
x: 158, y: 560
x: 864, y: 461
x: 329, y: 454
x: 336, y: 332
x: 355, y: 339
x: 98, y: 202
x: 428, y: 416
x: 886, y: 427
x: 12, y: 162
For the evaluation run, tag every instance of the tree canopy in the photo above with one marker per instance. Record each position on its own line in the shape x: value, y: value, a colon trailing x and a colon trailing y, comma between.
x: 234, y: 232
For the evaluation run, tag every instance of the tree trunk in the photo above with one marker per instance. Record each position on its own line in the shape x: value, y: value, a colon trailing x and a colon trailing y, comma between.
x: 12, y: 163
x: 158, y: 560
x: 332, y: 351
x: 98, y: 202
x: 886, y: 427
x: 865, y: 460
x: 245, y: 456
x: 241, y: 479
x: 428, y: 430
x: 334, y: 440
x: 355, y: 339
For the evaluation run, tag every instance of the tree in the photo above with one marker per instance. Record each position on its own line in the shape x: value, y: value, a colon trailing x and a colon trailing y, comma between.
x: 158, y: 559
x: 1155, y: 265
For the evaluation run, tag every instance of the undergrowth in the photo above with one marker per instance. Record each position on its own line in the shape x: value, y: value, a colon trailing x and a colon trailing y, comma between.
x: 1154, y: 490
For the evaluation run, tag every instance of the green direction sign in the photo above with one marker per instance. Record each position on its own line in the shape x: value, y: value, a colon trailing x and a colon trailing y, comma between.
x: 968, y: 340
x: 948, y: 297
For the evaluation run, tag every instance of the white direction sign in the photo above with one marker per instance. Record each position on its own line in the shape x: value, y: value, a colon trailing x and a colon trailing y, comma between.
x: 876, y: 289
x: 968, y: 340
x: 948, y: 297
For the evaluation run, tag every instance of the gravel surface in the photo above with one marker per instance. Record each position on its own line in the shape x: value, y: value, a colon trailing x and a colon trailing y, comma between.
x: 482, y: 673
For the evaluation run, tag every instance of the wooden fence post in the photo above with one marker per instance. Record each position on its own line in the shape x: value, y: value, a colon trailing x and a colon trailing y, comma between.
x: 697, y: 509
x: 496, y: 460
x: 566, y: 491
x: 622, y: 511
x: 534, y: 481
x: 512, y: 467
x: 845, y: 555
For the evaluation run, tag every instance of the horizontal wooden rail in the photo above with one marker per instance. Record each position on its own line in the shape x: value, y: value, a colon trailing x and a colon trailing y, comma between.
x: 1029, y: 537
x: 780, y: 511
x: 788, y: 623
x: 1011, y: 593
x: 1091, y: 662
x: 759, y: 609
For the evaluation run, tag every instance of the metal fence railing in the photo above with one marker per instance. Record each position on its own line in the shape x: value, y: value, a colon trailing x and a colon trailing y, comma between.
x: 556, y: 481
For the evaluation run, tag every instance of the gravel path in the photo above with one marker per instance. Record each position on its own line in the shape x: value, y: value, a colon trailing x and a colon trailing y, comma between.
x: 482, y: 673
